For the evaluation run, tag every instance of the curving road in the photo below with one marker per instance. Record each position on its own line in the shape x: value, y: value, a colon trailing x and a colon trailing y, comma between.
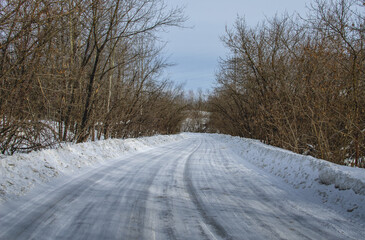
x: 191, y: 189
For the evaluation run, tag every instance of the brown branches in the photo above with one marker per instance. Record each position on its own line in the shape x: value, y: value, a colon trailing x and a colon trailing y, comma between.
x: 298, y: 84
x: 83, y: 69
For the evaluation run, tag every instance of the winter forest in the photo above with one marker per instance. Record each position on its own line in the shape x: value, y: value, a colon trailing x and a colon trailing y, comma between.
x: 82, y: 70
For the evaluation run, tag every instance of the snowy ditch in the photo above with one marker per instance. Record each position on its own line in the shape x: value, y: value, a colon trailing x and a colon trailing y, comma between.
x: 21, y: 172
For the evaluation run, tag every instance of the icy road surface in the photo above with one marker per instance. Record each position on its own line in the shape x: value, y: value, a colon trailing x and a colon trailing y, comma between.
x: 195, y: 188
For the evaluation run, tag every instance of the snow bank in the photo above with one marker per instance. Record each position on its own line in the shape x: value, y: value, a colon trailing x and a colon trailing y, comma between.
x: 335, y: 184
x: 21, y: 172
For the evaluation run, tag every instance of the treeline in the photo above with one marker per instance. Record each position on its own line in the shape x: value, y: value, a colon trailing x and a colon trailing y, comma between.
x: 196, y: 113
x: 74, y: 70
x: 297, y: 82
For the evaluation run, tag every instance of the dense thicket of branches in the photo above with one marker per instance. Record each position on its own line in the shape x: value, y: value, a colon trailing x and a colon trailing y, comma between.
x: 297, y: 84
x: 72, y: 70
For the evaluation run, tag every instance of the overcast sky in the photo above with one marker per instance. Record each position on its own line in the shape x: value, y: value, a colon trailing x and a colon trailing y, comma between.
x: 196, y: 51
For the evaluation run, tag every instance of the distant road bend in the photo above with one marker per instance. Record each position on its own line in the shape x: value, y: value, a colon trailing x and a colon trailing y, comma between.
x: 191, y: 189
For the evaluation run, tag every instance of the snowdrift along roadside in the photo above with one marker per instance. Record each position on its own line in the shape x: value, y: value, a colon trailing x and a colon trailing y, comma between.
x: 21, y: 172
x: 301, y: 170
x: 334, y: 184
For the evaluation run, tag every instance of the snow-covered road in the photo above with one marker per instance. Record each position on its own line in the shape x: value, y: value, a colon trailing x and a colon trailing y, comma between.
x: 195, y: 188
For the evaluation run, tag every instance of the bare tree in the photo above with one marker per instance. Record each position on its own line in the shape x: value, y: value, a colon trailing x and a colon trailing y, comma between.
x: 297, y: 84
x: 69, y: 69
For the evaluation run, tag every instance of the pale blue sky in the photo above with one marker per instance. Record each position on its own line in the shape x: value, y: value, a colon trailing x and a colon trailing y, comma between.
x: 196, y: 51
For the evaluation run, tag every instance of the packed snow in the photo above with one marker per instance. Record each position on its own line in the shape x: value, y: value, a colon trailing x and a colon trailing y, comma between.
x: 189, y: 186
x: 21, y: 172
x: 341, y: 187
